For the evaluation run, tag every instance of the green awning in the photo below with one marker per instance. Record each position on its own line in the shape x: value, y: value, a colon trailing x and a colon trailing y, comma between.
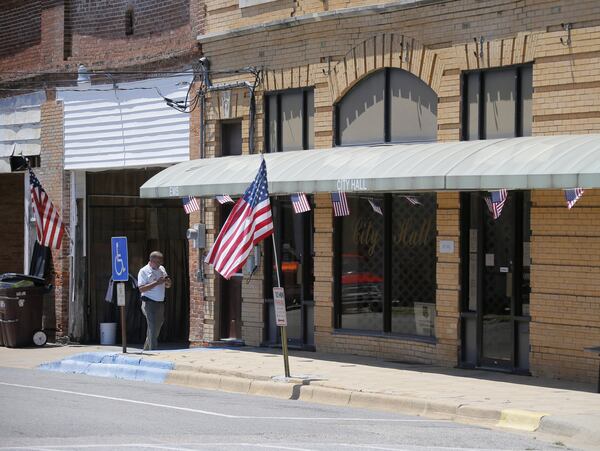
x: 542, y: 162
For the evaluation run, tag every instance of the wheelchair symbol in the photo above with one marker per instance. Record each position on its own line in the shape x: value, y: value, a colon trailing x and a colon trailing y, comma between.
x: 119, y: 265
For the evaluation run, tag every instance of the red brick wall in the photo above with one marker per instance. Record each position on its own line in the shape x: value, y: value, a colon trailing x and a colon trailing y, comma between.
x: 11, y: 226
x: 162, y: 29
x: 20, y: 34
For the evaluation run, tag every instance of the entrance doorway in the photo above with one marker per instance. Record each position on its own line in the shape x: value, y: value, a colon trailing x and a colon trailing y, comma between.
x: 293, y: 238
x: 231, y: 295
x: 114, y: 208
x: 230, y: 291
x: 495, y: 283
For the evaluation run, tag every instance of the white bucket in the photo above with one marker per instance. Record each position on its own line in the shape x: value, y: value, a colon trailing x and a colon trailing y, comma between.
x: 108, y: 333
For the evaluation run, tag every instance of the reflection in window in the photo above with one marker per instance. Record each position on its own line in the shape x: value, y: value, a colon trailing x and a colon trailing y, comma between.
x: 391, y: 105
x: 361, y: 261
x: 413, y: 108
x: 413, y: 262
x: 497, y: 103
x: 289, y: 120
x: 361, y: 112
x: 387, y: 266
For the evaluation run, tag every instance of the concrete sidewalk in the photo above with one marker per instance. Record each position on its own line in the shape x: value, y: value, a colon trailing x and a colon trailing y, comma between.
x: 568, y: 411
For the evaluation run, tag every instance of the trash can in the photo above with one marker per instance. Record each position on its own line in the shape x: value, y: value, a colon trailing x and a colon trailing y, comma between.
x: 21, y: 309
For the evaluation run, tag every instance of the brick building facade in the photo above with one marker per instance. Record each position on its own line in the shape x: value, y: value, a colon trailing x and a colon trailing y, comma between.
x: 329, y: 49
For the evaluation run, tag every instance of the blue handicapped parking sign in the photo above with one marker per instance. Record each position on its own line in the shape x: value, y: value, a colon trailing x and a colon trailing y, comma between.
x: 120, y: 262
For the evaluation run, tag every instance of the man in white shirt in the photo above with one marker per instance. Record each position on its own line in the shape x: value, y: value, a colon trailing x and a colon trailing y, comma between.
x: 152, y: 281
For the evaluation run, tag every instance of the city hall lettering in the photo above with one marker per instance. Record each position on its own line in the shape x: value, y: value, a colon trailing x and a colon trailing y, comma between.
x: 351, y: 185
x: 408, y: 234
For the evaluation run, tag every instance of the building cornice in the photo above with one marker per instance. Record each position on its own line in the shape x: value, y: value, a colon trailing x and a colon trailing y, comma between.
x: 345, y: 13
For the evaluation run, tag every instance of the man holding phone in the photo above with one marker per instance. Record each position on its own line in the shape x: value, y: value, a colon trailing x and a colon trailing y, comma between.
x: 152, y: 281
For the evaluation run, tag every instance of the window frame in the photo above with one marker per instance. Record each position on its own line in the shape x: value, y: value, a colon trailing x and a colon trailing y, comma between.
x: 267, y: 116
x: 386, y: 329
x: 387, y: 109
x: 465, y: 117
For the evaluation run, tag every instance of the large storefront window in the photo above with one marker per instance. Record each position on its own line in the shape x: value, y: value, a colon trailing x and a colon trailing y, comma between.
x: 386, y: 266
x: 391, y: 105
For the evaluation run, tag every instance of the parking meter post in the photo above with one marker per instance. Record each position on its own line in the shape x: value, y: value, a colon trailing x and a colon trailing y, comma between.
x: 123, y: 330
x: 123, y: 327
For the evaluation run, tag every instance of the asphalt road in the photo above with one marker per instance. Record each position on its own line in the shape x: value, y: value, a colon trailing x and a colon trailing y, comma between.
x: 47, y: 411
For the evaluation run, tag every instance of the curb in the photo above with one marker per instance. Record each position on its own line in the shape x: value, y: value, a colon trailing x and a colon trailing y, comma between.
x: 296, y: 389
x: 112, y: 365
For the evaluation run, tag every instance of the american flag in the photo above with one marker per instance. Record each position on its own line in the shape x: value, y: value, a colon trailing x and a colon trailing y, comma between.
x: 249, y: 222
x: 572, y: 195
x: 488, y: 202
x: 49, y: 226
x: 190, y: 204
x: 496, y: 203
x: 340, y: 204
x: 300, y: 203
x: 375, y: 206
x: 224, y: 199
x: 413, y: 200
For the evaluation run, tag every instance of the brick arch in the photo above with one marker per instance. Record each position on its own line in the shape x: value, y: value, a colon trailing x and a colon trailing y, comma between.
x: 385, y: 50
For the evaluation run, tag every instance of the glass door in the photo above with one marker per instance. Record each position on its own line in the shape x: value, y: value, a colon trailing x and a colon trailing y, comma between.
x: 497, y: 306
x: 495, y: 283
x: 293, y: 237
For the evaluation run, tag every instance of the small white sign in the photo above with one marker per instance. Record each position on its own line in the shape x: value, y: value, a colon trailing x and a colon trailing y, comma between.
x: 279, y: 300
x: 446, y: 247
x: 225, y: 104
x: 121, y: 294
x: 504, y: 269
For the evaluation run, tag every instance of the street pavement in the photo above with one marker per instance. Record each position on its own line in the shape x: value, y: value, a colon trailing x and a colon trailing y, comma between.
x: 50, y: 411
x: 556, y: 411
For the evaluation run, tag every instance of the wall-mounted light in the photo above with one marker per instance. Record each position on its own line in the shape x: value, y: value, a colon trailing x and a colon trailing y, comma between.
x: 84, y: 78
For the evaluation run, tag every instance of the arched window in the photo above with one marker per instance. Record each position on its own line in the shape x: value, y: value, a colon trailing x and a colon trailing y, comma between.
x: 391, y: 105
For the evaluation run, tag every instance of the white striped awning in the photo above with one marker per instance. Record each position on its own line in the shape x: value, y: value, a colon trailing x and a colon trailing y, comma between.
x: 514, y: 163
x: 20, y: 127
x: 131, y: 126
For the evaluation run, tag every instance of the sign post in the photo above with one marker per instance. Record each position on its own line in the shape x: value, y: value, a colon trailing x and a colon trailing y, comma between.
x: 280, y: 313
x: 120, y: 274
x: 281, y: 321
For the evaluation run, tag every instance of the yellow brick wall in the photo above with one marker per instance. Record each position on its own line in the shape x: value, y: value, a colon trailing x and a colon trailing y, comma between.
x: 332, y: 55
x: 565, y: 280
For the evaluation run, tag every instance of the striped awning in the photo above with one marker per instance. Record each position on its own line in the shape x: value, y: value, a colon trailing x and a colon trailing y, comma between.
x: 130, y: 126
x: 514, y: 163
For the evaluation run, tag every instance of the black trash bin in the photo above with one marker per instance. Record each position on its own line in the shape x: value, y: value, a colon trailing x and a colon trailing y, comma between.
x: 21, y: 310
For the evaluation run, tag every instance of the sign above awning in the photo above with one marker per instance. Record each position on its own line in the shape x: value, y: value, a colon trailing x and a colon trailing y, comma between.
x: 20, y: 127
x: 541, y: 162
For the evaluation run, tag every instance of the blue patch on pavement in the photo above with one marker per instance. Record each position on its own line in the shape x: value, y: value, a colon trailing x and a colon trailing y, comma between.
x: 113, y: 365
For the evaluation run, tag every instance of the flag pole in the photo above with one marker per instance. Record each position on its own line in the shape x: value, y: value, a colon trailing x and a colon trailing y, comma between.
x: 284, y: 345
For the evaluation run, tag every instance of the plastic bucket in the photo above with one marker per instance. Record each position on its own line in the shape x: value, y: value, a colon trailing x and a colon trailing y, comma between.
x: 108, y: 333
